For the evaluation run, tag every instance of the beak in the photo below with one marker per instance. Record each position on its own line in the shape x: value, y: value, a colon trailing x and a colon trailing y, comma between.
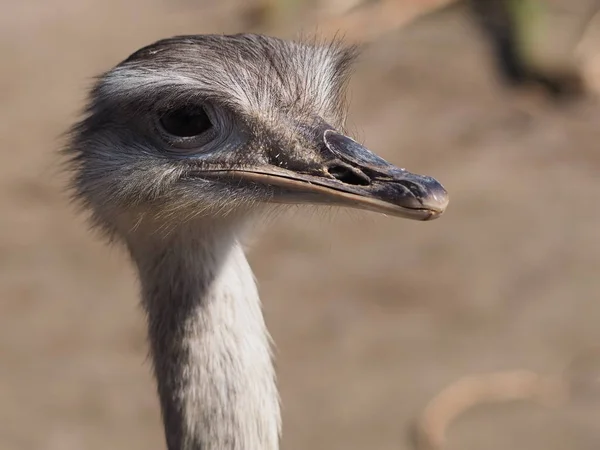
x: 350, y: 175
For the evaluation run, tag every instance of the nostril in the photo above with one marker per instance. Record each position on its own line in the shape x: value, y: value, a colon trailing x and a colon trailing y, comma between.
x: 349, y: 175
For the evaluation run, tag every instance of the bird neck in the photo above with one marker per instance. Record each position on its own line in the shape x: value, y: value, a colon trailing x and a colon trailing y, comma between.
x: 208, y: 340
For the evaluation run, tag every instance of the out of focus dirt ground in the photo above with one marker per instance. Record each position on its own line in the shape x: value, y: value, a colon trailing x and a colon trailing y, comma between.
x: 372, y: 316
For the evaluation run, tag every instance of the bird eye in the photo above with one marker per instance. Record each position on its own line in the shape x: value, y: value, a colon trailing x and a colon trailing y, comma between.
x: 188, y: 121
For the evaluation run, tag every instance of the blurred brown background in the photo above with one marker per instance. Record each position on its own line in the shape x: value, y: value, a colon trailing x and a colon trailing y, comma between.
x: 372, y: 316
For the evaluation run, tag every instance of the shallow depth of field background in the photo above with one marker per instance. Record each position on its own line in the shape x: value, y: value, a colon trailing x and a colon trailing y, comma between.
x: 372, y: 316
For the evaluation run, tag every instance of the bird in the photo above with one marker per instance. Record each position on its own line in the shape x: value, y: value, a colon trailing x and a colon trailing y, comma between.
x: 179, y: 149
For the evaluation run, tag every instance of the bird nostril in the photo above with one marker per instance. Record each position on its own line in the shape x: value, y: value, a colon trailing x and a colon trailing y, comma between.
x: 349, y: 175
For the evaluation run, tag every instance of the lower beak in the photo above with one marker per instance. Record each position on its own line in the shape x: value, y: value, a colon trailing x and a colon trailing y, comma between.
x: 352, y: 176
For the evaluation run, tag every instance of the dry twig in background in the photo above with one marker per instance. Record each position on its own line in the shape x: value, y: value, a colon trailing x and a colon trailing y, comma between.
x: 473, y: 390
x: 578, y: 380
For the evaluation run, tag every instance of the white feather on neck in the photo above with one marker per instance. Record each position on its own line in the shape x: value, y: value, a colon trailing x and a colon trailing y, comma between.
x: 209, y: 342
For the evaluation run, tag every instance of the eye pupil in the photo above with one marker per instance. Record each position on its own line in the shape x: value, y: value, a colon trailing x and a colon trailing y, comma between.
x: 188, y: 121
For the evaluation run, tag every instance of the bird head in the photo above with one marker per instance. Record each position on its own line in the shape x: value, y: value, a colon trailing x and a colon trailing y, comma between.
x: 216, y: 125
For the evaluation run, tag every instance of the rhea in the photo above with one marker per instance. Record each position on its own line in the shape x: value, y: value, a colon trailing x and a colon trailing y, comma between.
x: 181, y: 146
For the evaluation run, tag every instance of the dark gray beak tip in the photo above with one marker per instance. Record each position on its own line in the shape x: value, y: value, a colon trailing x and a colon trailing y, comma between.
x: 424, y: 195
x: 434, y: 196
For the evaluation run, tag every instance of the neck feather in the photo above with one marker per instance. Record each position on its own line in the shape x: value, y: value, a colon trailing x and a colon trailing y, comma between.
x: 208, y: 340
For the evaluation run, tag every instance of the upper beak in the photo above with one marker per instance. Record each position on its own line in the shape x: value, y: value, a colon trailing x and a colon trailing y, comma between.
x: 350, y: 175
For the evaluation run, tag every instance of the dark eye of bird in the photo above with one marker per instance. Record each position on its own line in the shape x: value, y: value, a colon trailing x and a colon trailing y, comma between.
x: 188, y: 121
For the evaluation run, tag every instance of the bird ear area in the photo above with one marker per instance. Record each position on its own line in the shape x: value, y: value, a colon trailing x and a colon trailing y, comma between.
x: 187, y: 126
